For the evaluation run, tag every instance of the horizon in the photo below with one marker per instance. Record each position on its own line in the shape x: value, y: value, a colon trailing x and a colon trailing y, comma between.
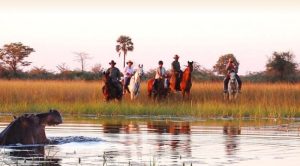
x: 198, y: 31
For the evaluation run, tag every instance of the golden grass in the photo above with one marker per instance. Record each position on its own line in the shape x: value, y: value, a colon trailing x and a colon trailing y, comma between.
x: 80, y: 97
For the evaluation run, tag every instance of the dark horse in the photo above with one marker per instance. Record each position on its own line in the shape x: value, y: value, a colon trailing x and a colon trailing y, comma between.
x: 110, y: 92
x: 162, y: 88
x: 30, y: 128
x: 186, y: 80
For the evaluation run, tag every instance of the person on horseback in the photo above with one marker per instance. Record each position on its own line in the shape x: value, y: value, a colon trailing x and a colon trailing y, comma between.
x: 160, y: 73
x: 115, y: 75
x: 128, y: 72
x: 176, y: 71
x: 232, y: 67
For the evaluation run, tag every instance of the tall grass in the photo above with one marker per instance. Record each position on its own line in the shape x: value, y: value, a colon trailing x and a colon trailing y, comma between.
x: 80, y: 97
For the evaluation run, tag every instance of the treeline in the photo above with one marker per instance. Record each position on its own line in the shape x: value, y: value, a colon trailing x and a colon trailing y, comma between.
x: 280, y: 67
x: 38, y: 74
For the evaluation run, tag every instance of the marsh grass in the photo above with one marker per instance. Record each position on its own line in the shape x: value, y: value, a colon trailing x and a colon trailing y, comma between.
x: 80, y: 97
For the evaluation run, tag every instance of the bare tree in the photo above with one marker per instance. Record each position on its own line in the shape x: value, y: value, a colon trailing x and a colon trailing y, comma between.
x: 63, y: 68
x: 82, y: 57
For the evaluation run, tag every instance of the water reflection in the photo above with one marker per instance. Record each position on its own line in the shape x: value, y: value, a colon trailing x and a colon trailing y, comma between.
x: 173, y: 138
x: 30, y: 155
x: 231, y: 132
x: 170, y: 127
x: 163, y: 142
x: 115, y: 127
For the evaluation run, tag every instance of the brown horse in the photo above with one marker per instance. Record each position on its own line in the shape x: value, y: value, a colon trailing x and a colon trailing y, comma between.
x: 186, y: 80
x: 110, y: 92
x: 162, y: 89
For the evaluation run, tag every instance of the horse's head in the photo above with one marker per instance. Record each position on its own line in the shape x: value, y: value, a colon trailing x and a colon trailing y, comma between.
x: 106, y: 78
x: 232, y: 75
x: 232, y: 78
x: 190, y: 65
x: 140, y: 70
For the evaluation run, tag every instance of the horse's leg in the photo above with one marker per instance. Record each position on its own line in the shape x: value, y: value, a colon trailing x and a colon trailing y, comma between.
x: 132, y: 95
x: 188, y: 94
x: 149, y: 94
x: 183, y: 94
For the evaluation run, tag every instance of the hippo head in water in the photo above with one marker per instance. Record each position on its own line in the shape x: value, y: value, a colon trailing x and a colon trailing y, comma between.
x: 30, y: 128
x: 50, y: 118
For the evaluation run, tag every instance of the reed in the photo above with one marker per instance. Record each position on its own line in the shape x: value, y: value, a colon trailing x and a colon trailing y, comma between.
x: 258, y: 100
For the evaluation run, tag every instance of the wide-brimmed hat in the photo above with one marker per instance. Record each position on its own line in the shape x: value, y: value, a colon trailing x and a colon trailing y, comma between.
x: 129, y: 62
x: 112, y: 62
x: 176, y: 56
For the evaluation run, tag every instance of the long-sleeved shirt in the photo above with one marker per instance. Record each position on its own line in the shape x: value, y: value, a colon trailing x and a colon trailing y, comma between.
x: 231, y: 66
x: 160, y: 72
x: 114, y: 73
x: 175, y: 66
x: 128, y: 71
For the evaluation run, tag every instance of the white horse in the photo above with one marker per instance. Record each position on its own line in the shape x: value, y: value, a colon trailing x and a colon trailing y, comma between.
x: 135, y: 81
x: 232, y: 86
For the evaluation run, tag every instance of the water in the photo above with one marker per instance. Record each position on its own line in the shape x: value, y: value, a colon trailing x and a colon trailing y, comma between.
x: 133, y: 141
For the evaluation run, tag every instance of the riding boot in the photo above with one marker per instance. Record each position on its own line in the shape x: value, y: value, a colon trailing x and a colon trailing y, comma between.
x: 239, y: 82
x: 177, y: 87
x: 154, y: 86
x: 226, y: 81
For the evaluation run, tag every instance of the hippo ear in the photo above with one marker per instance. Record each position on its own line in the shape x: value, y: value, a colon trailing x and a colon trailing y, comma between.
x: 14, y: 117
x: 142, y: 65
x: 51, y: 110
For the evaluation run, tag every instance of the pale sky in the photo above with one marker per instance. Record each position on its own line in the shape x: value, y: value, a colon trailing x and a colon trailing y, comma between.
x: 195, y: 30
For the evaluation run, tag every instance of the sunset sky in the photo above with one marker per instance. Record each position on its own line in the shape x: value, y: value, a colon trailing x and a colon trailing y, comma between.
x: 195, y: 30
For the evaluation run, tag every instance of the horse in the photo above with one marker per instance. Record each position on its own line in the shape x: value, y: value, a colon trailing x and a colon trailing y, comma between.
x: 109, y: 91
x: 186, y: 80
x: 135, y: 81
x: 162, y: 88
x: 232, y: 87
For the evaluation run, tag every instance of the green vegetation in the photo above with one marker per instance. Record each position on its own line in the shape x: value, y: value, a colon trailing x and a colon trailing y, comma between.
x: 81, y: 97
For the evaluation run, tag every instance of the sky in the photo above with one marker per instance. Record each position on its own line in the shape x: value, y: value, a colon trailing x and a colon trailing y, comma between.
x: 196, y: 30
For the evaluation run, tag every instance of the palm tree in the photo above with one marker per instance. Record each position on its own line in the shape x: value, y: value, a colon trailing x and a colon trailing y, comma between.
x: 124, y: 44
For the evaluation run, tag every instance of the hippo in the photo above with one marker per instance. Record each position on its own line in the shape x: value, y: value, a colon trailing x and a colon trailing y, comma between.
x: 30, y: 128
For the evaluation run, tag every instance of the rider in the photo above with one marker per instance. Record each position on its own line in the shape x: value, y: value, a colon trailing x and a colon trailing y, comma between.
x: 160, y: 73
x: 176, y: 72
x: 231, y: 66
x: 115, y: 75
x: 128, y: 72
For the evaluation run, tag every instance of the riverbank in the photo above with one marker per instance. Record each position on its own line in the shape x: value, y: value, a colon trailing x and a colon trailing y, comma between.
x: 80, y: 97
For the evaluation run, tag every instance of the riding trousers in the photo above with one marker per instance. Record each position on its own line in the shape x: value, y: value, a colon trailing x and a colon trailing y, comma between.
x: 178, y: 76
x: 126, y: 81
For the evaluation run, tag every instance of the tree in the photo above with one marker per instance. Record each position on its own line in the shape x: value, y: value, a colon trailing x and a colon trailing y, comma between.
x: 124, y: 44
x: 63, y: 68
x: 82, y: 57
x: 40, y: 73
x: 97, y: 68
x: 282, y: 66
x: 220, y: 66
x: 13, y: 55
x: 202, y: 74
